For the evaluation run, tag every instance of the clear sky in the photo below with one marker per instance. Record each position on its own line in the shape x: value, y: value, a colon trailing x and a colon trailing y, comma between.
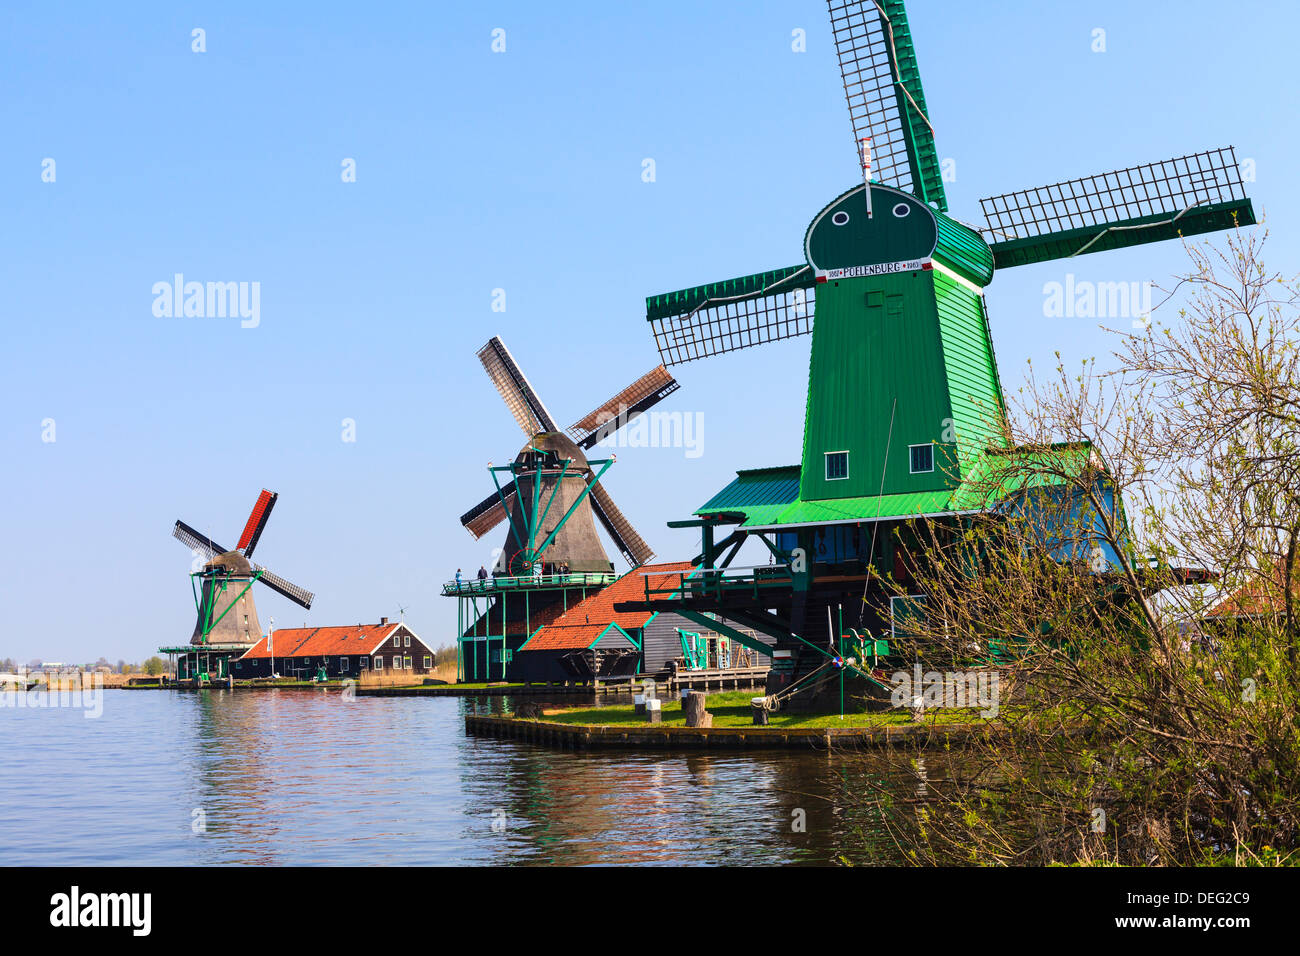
x: 477, y: 171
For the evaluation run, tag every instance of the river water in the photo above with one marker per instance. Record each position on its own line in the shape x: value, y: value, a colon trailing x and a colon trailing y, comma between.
x: 308, y: 777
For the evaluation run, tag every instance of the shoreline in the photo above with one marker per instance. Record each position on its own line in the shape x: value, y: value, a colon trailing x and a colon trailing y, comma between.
x: 568, y: 736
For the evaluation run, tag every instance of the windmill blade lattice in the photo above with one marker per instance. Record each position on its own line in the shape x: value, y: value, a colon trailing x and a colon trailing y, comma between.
x: 882, y: 85
x: 256, y: 522
x: 196, y: 541
x: 515, y: 389
x: 727, y: 316
x: 299, y: 596
x: 647, y: 391
x: 1183, y: 196
x: 489, y: 512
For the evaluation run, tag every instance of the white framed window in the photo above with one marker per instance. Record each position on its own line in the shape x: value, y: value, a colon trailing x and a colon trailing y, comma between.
x: 363, y: 661
x: 379, y: 663
x: 837, y: 465
x: 406, y: 665
x: 428, y: 661
x: 407, y: 640
x: 921, y: 458
x: 343, y: 663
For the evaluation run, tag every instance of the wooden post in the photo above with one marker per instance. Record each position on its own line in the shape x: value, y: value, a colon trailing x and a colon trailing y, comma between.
x: 759, y: 708
x: 693, y: 707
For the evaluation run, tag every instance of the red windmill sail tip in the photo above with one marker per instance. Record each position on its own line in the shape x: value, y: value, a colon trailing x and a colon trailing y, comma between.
x: 256, y: 522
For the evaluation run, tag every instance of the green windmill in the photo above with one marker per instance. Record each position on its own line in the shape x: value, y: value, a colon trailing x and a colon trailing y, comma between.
x: 904, y: 406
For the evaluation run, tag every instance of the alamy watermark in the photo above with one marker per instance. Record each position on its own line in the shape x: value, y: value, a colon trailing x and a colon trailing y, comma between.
x: 1083, y: 299
x: 208, y: 300
x: 59, y: 689
x: 652, y: 429
x: 960, y: 689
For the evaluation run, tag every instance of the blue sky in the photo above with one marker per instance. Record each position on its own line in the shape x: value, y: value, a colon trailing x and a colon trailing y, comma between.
x: 477, y: 171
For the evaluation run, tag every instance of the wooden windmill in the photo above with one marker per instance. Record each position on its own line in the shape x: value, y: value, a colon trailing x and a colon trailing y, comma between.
x: 551, y: 491
x: 223, y: 585
x: 905, y: 409
x: 891, y: 287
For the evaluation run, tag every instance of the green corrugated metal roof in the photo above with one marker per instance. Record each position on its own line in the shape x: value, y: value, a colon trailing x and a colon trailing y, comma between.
x: 761, y: 493
x: 768, y: 496
x: 861, y: 509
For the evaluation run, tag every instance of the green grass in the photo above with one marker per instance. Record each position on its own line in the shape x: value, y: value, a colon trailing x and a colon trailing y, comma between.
x: 731, y: 709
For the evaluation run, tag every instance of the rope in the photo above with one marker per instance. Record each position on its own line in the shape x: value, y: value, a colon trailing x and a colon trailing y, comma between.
x: 880, y: 502
x: 893, y: 62
x: 736, y: 298
x: 1010, y: 236
x: 771, y: 701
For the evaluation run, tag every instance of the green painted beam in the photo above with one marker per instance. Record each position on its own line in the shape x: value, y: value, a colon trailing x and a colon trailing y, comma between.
x: 927, y: 177
x: 684, y: 301
x: 1120, y: 235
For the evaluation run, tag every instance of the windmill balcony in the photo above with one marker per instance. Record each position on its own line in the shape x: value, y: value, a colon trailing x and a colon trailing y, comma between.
x: 718, y: 582
x: 525, y: 582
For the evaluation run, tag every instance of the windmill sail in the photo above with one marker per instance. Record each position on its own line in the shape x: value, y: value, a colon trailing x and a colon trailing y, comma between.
x: 1184, y: 196
x: 882, y: 85
x: 297, y: 595
x: 196, y: 541
x: 256, y: 522
x: 489, y: 512
x: 726, y: 316
x: 647, y: 391
x: 515, y: 389
x: 624, y: 536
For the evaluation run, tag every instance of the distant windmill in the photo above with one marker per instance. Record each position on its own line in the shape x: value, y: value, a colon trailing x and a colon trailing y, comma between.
x: 557, y: 482
x: 226, y: 612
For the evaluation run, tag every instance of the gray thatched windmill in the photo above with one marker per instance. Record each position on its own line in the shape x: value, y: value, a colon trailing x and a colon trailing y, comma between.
x: 223, y: 597
x: 553, y: 490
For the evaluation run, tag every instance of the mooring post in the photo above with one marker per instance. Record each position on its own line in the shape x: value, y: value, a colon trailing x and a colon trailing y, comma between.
x: 693, y: 707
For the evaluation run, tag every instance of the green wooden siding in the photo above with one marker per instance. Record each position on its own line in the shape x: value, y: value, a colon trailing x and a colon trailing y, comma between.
x: 875, y: 340
x: 964, y: 251
x: 972, y: 378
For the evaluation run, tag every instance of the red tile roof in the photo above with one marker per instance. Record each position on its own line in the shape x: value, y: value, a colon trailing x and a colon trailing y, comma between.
x: 1260, y: 597
x: 323, y: 641
x: 585, y: 621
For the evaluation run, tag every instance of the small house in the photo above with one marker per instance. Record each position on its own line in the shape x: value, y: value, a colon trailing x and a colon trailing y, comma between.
x: 346, y: 651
